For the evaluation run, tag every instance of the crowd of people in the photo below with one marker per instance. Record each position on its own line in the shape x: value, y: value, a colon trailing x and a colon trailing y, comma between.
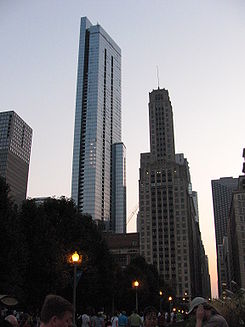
x: 58, y: 312
x: 121, y: 319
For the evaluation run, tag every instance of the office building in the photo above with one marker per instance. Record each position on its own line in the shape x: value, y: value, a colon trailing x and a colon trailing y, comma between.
x: 236, y: 234
x: 98, y: 129
x: 123, y: 247
x: 168, y: 211
x: 118, y: 225
x: 15, y: 151
x: 222, y: 195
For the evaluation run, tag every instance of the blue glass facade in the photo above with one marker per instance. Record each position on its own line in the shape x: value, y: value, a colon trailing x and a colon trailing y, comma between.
x: 97, y: 120
x: 119, y: 188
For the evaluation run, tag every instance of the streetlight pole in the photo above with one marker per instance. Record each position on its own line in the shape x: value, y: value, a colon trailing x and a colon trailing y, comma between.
x: 74, y: 293
x: 160, y: 304
x: 75, y: 260
x: 136, y: 285
x: 170, y: 304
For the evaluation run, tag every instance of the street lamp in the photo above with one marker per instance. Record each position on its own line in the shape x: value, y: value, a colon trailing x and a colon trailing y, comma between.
x: 170, y: 303
x: 76, y: 259
x: 160, y: 306
x: 136, y: 285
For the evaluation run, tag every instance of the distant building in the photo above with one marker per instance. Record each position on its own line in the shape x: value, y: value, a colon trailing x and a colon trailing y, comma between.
x: 40, y: 200
x: 168, y: 212
x: 222, y: 195
x: 236, y: 234
x: 119, y: 207
x: 124, y: 247
x: 98, y: 154
x: 15, y: 151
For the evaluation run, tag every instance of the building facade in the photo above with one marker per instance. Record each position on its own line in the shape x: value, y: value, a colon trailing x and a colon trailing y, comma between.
x: 124, y: 247
x: 118, y: 225
x: 222, y: 195
x: 15, y: 151
x: 168, y: 213
x: 236, y: 234
x: 98, y: 126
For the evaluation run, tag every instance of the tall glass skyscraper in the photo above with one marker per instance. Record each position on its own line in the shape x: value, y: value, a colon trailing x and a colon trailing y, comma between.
x: 97, y: 124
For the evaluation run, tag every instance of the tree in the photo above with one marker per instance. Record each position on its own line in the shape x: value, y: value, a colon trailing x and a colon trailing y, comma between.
x: 43, y: 253
x: 12, y: 257
x: 148, y: 290
x: 52, y: 231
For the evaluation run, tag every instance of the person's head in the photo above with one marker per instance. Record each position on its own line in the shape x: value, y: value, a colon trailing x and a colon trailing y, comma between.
x: 12, y: 320
x: 200, y: 301
x: 150, y: 317
x: 56, y: 311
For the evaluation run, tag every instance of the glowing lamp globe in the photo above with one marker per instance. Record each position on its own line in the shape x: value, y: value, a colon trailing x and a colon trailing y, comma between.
x: 75, y: 257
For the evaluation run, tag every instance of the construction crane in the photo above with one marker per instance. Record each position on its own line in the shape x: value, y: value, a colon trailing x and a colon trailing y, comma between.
x: 133, y: 212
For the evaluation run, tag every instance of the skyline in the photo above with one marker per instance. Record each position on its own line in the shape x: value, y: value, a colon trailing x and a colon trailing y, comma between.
x: 199, y: 50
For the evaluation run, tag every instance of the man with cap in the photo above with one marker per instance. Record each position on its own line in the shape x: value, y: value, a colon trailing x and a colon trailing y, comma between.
x: 206, y: 315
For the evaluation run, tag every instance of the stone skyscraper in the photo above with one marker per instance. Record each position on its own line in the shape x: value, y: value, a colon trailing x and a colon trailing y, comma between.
x: 222, y: 195
x: 15, y: 151
x: 236, y: 234
x: 168, y: 214
x: 99, y: 154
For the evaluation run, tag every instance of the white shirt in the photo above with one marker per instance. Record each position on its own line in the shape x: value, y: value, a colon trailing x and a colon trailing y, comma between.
x: 114, y: 321
x: 85, y: 320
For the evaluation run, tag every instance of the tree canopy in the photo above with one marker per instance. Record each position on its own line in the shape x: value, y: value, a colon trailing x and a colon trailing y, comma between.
x: 35, y: 243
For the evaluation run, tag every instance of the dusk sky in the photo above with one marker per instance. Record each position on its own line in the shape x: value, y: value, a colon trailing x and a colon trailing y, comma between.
x: 199, y: 48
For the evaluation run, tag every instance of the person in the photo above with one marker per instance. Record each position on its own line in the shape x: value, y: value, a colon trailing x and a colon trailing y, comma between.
x: 122, y: 319
x: 100, y: 319
x: 25, y: 320
x: 114, y: 320
x: 172, y: 317
x: 85, y: 320
x: 150, y: 317
x: 56, y: 312
x: 161, y: 319
x: 108, y: 322
x: 93, y: 319
x: 134, y: 319
x: 12, y: 320
x: 166, y: 316
x: 206, y: 314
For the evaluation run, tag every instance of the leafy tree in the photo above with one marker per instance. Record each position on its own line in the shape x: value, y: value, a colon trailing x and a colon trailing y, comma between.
x: 52, y: 232
x: 232, y: 306
x: 12, y: 258
x: 35, y: 244
x: 148, y: 291
x: 42, y: 253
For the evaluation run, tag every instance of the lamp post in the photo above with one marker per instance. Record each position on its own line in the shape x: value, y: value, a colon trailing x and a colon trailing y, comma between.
x: 160, y: 304
x: 75, y: 259
x: 136, y: 285
x: 170, y: 303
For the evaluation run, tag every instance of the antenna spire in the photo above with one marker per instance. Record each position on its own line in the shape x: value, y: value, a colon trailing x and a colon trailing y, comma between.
x: 157, y: 77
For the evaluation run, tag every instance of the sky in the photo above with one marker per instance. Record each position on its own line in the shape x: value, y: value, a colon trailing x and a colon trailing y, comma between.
x: 199, y: 49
